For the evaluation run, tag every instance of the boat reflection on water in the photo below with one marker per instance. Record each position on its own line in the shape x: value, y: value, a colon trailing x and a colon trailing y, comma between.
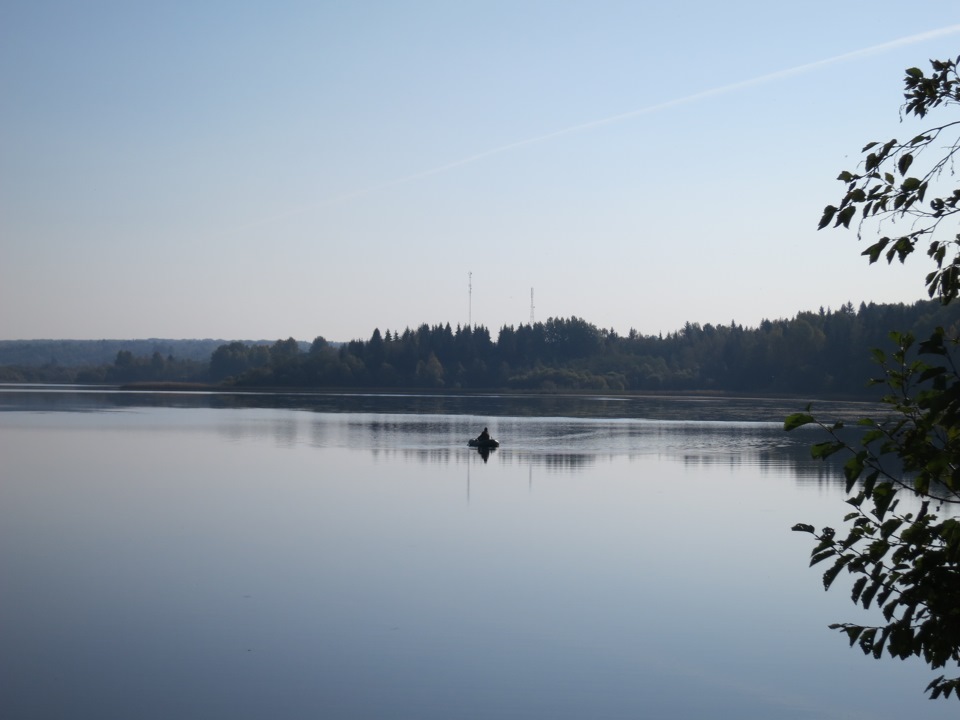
x: 484, y: 444
x: 485, y: 450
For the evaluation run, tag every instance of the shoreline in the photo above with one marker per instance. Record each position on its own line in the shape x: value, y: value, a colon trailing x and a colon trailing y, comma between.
x: 457, y: 392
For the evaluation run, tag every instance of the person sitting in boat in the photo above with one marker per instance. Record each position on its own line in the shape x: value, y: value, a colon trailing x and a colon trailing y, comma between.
x: 483, y: 437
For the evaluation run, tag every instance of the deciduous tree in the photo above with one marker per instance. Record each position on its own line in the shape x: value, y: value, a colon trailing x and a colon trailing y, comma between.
x: 905, y: 563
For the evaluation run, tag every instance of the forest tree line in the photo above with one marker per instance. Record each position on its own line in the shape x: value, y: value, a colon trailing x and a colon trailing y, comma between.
x: 825, y: 352
x: 90, y: 353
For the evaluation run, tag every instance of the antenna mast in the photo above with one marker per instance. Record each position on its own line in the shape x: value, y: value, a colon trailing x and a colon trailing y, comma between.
x: 531, y: 307
x: 470, y: 298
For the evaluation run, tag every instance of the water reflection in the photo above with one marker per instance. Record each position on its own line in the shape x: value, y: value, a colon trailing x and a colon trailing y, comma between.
x: 484, y: 452
x: 558, y: 434
x: 672, y: 407
x: 161, y: 559
x: 582, y: 432
x: 572, y: 444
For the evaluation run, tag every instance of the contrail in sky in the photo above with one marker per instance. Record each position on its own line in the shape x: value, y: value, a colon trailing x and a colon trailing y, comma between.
x: 649, y: 110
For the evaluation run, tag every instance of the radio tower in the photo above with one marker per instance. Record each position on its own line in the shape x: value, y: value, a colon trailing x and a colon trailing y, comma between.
x: 531, y: 307
x: 470, y: 298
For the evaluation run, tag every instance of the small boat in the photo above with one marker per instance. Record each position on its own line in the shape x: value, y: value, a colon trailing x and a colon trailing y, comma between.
x: 483, y: 444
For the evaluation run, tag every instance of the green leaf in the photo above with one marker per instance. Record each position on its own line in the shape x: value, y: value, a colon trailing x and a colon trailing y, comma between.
x: 831, y: 574
x: 857, y: 589
x: 932, y: 372
x: 877, y: 549
x: 866, y: 598
x: 866, y: 640
x: 890, y: 527
x: 845, y: 216
x: 883, y: 495
x: 825, y: 449
x: 853, y: 632
x: 874, y: 251
x: 906, y: 160
x: 828, y: 212
x: 821, y: 556
x: 853, y: 468
x: 798, y: 420
x: 935, y: 688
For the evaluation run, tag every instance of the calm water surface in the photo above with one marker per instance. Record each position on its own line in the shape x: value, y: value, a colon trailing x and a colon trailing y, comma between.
x: 207, y: 556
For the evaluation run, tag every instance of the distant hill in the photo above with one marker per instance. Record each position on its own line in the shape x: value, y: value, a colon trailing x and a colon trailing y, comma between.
x: 86, y: 353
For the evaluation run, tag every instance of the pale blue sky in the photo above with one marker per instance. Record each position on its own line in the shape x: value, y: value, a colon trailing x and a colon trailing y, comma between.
x: 264, y: 170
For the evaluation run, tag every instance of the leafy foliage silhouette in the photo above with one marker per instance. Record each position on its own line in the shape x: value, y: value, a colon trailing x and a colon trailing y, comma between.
x: 906, y: 564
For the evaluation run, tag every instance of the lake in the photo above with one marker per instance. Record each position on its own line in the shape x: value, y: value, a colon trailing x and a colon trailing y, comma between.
x: 347, y: 556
